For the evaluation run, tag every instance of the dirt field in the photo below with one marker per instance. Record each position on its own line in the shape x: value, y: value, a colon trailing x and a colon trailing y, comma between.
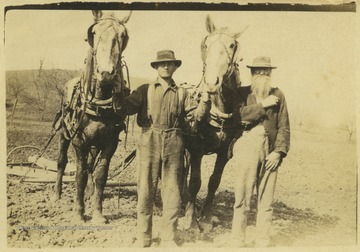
x: 315, y: 200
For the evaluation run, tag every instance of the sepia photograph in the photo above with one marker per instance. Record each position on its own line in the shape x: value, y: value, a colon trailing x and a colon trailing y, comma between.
x: 193, y: 125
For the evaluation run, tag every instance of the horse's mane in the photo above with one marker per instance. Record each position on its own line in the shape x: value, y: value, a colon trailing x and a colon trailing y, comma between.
x: 225, y: 30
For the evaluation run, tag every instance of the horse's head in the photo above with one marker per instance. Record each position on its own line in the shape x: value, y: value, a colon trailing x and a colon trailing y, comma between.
x: 220, y: 54
x: 108, y: 38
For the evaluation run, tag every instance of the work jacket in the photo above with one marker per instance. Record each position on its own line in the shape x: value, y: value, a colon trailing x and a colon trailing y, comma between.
x: 275, y: 119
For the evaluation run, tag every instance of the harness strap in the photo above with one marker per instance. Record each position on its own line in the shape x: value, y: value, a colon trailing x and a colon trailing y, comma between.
x: 181, y: 100
x: 98, y: 110
x: 217, y: 113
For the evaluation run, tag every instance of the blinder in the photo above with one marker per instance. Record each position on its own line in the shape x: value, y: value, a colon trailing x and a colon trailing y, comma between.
x: 90, y: 35
x: 231, y: 57
x: 125, y: 40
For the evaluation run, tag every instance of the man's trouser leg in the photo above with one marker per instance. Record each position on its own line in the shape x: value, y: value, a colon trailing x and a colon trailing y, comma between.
x: 246, y: 158
x: 266, y: 189
x: 149, y: 150
x: 172, y: 168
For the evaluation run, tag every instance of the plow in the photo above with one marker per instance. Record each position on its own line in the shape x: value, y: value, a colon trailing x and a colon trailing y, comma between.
x: 29, y: 165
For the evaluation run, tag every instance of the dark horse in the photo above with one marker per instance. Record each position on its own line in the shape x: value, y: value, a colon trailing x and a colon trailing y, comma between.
x: 220, y: 56
x: 89, y: 122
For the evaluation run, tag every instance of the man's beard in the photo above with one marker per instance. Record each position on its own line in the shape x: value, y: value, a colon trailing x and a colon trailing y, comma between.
x: 261, y: 85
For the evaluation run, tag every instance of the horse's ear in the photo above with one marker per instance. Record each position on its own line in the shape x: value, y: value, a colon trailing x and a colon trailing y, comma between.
x: 210, y: 27
x: 126, y: 18
x: 237, y: 35
x: 97, y: 14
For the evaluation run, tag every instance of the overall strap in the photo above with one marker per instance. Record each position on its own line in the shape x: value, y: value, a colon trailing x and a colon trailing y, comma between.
x: 150, y: 95
x: 181, y: 98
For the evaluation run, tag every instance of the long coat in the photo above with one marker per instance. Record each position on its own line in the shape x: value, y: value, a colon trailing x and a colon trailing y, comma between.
x: 275, y: 119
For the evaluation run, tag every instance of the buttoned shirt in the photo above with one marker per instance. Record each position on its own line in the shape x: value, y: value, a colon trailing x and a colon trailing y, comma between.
x: 164, y: 106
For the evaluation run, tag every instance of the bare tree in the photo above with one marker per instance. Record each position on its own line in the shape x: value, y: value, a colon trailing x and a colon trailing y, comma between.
x: 48, y: 88
x: 45, y: 89
x: 14, y: 89
x: 349, y: 126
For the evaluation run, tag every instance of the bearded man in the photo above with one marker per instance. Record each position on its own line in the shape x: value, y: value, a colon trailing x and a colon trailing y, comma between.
x: 258, y: 153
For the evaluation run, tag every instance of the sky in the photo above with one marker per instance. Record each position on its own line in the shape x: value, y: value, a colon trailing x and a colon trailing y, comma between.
x: 315, y: 52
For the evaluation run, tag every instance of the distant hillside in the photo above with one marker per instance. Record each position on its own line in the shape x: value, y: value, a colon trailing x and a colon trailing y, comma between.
x: 39, y: 92
x: 27, y: 76
x: 135, y: 82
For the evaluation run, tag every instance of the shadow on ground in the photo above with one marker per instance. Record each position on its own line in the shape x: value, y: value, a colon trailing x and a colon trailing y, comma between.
x: 289, y: 224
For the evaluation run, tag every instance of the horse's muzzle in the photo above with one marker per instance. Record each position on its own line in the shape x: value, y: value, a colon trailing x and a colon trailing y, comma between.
x: 106, y: 76
x: 212, y: 88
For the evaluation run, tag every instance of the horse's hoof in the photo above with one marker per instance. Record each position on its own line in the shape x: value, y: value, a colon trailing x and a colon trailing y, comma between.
x: 205, y: 224
x: 98, y: 218
x: 190, y: 223
x: 89, y: 191
x: 78, y: 219
x: 55, y: 197
x: 186, y: 223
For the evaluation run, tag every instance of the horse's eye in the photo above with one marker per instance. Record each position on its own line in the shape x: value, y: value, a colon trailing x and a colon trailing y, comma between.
x: 232, y: 45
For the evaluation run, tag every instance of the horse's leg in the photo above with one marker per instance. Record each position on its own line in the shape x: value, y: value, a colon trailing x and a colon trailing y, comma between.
x: 184, y: 179
x: 89, y: 190
x: 194, y: 188
x: 100, y: 178
x: 81, y: 151
x: 61, y: 165
x: 214, y: 182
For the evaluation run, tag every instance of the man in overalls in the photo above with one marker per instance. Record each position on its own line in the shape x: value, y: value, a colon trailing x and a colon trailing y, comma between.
x: 163, y: 109
x: 259, y: 151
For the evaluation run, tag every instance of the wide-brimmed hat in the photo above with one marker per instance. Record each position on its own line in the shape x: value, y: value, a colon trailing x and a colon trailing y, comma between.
x: 261, y: 62
x: 165, y: 56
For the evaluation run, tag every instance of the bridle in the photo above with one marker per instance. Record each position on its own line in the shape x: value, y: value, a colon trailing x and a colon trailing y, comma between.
x: 95, y: 48
x: 232, y: 63
x: 94, y: 106
x: 93, y: 51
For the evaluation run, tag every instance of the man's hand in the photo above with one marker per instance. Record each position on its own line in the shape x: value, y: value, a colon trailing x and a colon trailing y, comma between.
x: 269, y: 101
x: 272, y: 161
x: 117, y: 100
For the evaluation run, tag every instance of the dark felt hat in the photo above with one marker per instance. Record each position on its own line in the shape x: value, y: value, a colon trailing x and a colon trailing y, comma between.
x: 165, y: 56
x: 261, y: 62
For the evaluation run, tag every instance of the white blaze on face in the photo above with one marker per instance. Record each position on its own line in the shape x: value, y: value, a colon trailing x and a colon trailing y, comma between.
x: 107, y: 50
x: 216, y: 62
x: 219, y: 51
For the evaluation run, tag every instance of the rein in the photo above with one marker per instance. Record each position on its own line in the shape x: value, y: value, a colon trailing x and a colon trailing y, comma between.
x: 88, y: 83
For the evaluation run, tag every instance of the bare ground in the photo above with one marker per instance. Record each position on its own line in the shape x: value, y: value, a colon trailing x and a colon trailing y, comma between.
x: 315, y: 200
